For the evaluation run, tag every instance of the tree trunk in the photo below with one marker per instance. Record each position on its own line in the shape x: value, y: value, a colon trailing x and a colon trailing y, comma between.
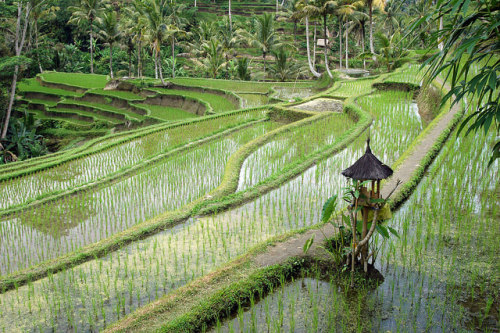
x: 311, y: 67
x: 139, y: 60
x: 11, y: 102
x: 441, y: 45
x: 111, y: 60
x: 372, y: 48
x: 230, y: 18
x: 314, y: 45
x: 20, y: 38
x: 294, y: 31
x: 264, y: 57
x: 194, y: 3
x: 156, y: 62
x: 277, y: 4
x: 91, y: 47
x: 326, y: 48
x: 346, y: 46
x: 363, y: 43
x: 160, y: 70
x: 173, y: 57
x: 340, y: 43
x: 130, y: 63
x: 37, y: 48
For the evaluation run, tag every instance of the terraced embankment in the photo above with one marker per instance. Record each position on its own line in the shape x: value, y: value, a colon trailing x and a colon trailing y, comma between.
x: 272, y: 186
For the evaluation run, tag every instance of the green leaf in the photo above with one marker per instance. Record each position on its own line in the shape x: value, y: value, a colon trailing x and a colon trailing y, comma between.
x: 329, y: 208
x: 382, y: 230
x: 393, y: 231
x: 308, y: 244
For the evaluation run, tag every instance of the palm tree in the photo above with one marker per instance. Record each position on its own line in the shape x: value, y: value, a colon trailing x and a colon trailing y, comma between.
x: 349, y: 14
x: 321, y: 9
x: 134, y: 27
x: 87, y: 11
x: 370, y: 4
x: 229, y: 39
x: 175, y: 25
x: 297, y: 15
x: 39, y: 11
x: 285, y: 67
x: 156, y: 21
x: 212, y: 59
x: 265, y: 37
x: 109, y: 33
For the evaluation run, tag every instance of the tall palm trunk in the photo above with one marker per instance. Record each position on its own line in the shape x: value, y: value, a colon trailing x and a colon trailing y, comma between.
x: 326, y: 47
x: 340, y: 43
x: 139, y: 60
x: 372, y: 48
x: 230, y: 18
x: 441, y: 45
x: 173, y: 57
x: 264, y: 57
x: 91, y: 46
x: 160, y: 71
x: 111, y: 60
x: 314, y: 45
x: 311, y: 67
x: 156, y: 63
x: 37, y: 48
x: 346, y: 46
x: 363, y: 42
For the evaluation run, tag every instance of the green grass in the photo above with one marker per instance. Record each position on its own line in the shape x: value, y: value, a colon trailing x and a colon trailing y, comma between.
x: 167, y: 113
x: 32, y: 85
x: 87, y: 81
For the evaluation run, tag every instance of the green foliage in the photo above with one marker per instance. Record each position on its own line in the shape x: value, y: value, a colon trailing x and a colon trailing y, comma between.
x: 22, y: 139
x: 243, y: 73
x: 285, y: 68
x: 469, y: 59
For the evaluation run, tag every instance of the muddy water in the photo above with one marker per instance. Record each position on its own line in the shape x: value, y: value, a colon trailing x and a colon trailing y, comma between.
x: 292, y: 93
x: 99, y: 292
x: 254, y: 100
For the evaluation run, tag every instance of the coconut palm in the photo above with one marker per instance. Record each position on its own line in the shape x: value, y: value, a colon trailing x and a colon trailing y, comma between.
x: 212, y: 60
x: 175, y: 26
x: 299, y: 14
x: 265, y: 37
x: 88, y: 11
x: 370, y: 4
x: 350, y: 14
x: 229, y: 40
x: 322, y: 9
x: 156, y: 22
x: 285, y: 67
x: 133, y: 24
x: 110, y: 33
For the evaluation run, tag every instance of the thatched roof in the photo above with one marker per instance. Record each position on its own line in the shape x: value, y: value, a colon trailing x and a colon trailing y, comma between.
x: 368, y: 167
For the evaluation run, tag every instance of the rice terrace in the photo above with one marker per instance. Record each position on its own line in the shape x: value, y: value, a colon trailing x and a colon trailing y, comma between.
x: 249, y: 166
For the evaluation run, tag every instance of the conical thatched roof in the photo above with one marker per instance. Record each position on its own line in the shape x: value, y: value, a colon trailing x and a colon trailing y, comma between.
x: 368, y: 167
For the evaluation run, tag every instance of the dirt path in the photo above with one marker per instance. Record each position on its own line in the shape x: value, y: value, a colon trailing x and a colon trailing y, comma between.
x: 293, y: 247
x: 321, y: 105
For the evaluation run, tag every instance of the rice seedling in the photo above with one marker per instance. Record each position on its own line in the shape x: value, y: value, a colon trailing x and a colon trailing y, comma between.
x: 95, y: 166
x: 182, y: 253
x: 65, y: 225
